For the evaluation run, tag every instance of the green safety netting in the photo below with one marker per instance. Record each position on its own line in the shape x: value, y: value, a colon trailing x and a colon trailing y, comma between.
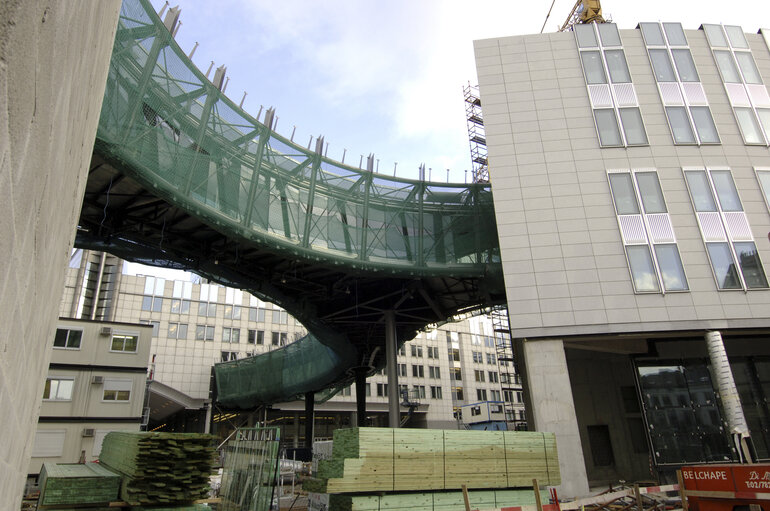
x: 164, y: 124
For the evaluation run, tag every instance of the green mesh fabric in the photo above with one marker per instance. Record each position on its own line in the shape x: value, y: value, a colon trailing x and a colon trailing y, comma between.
x: 169, y: 128
x: 284, y: 374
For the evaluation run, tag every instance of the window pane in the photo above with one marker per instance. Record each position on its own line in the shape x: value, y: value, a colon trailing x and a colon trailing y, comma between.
x: 60, y: 341
x: 616, y: 63
x: 671, y: 269
x: 749, y: 126
x: 633, y: 127
x: 723, y: 265
x: 737, y: 39
x: 764, y: 180
x: 73, y: 340
x: 623, y: 194
x: 642, y: 270
x: 704, y: 124
x: 146, y: 303
x: 649, y: 189
x: 593, y: 67
x: 607, y: 125
x: 726, y: 66
x: 685, y: 65
x: 661, y: 65
x: 726, y: 192
x: 652, y: 34
x: 609, y: 34
x: 748, y: 67
x: 65, y: 389
x: 764, y: 118
x: 157, y: 304
x: 715, y: 35
x: 751, y: 267
x: 172, y: 330
x: 700, y: 190
x: 680, y: 125
x: 586, y: 38
x: 182, y: 331
x: 675, y: 34
x: 200, y: 332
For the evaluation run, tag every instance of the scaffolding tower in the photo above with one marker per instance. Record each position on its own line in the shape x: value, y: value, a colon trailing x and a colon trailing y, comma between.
x: 510, y: 382
x: 476, y: 135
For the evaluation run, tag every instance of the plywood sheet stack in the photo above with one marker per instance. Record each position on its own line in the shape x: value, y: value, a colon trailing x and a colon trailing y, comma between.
x: 434, y: 501
x: 408, y: 460
x: 76, y: 484
x: 160, y: 468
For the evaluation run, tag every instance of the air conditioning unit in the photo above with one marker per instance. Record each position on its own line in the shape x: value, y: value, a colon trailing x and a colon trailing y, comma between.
x: 106, y: 330
x: 97, y: 380
x: 88, y: 432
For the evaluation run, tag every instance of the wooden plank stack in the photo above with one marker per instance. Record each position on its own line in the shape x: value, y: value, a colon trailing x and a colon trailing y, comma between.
x: 73, y: 484
x: 433, y: 501
x: 396, y: 460
x: 160, y: 468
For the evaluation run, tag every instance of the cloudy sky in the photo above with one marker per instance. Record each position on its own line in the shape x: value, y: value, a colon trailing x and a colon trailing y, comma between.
x: 387, y: 77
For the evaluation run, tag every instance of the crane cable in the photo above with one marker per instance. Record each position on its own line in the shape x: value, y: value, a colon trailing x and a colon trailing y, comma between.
x: 547, y: 16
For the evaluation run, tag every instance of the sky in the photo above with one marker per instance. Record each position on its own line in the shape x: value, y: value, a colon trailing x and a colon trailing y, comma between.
x: 387, y: 77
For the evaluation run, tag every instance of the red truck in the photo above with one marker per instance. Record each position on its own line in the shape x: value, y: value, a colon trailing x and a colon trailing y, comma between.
x: 727, y: 487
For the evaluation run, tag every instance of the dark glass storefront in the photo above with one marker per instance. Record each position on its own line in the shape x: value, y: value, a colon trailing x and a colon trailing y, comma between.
x: 682, y: 411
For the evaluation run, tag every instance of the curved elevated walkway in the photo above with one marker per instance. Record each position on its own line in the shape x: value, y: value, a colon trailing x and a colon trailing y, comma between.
x: 181, y: 177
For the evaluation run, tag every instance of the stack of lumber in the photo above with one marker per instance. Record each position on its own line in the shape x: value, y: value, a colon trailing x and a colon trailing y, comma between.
x: 434, y: 501
x: 160, y: 468
x: 75, y: 484
x: 391, y: 460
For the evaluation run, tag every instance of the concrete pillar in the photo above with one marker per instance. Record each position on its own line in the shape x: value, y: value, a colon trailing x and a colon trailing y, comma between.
x: 391, y: 349
x: 360, y: 373
x: 550, y: 408
x: 55, y: 57
x: 728, y: 394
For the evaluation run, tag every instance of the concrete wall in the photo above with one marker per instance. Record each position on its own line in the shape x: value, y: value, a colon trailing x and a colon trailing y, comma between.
x: 53, y: 67
x: 565, y: 267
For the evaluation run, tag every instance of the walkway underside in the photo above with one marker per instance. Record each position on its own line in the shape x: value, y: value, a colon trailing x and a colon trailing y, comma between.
x: 182, y: 178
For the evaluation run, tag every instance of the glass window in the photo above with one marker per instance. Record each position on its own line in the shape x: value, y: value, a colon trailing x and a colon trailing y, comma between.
x: 117, y: 390
x: 57, y: 389
x: 652, y: 34
x: 726, y: 66
x: 749, y: 126
x: 607, y: 125
x: 704, y: 124
x: 182, y: 332
x: 685, y: 65
x: 726, y: 192
x: 633, y: 127
x: 748, y: 67
x: 124, y: 342
x: 700, y: 190
x: 147, y: 303
x: 671, y: 268
x: 586, y: 38
x: 737, y: 39
x: 680, y: 125
x: 616, y: 63
x: 642, y: 271
x: 200, y: 332
x: 751, y: 267
x: 173, y: 330
x: 609, y: 34
x: 66, y: 338
x: 764, y: 181
x: 715, y: 35
x: 661, y: 65
x: 675, y: 34
x: 649, y: 189
x: 764, y: 118
x: 593, y: 67
x: 623, y: 193
x: 724, y: 266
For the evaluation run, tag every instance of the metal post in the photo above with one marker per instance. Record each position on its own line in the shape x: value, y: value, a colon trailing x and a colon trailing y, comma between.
x: 360, y: 373
x: 309, y: 419
x: 728, y: 393
x: 391, y: 348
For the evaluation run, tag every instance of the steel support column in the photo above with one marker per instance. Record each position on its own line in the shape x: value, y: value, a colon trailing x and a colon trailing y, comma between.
x: 309, y: 420
x: 391, y: 348
x: 360, y: 373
